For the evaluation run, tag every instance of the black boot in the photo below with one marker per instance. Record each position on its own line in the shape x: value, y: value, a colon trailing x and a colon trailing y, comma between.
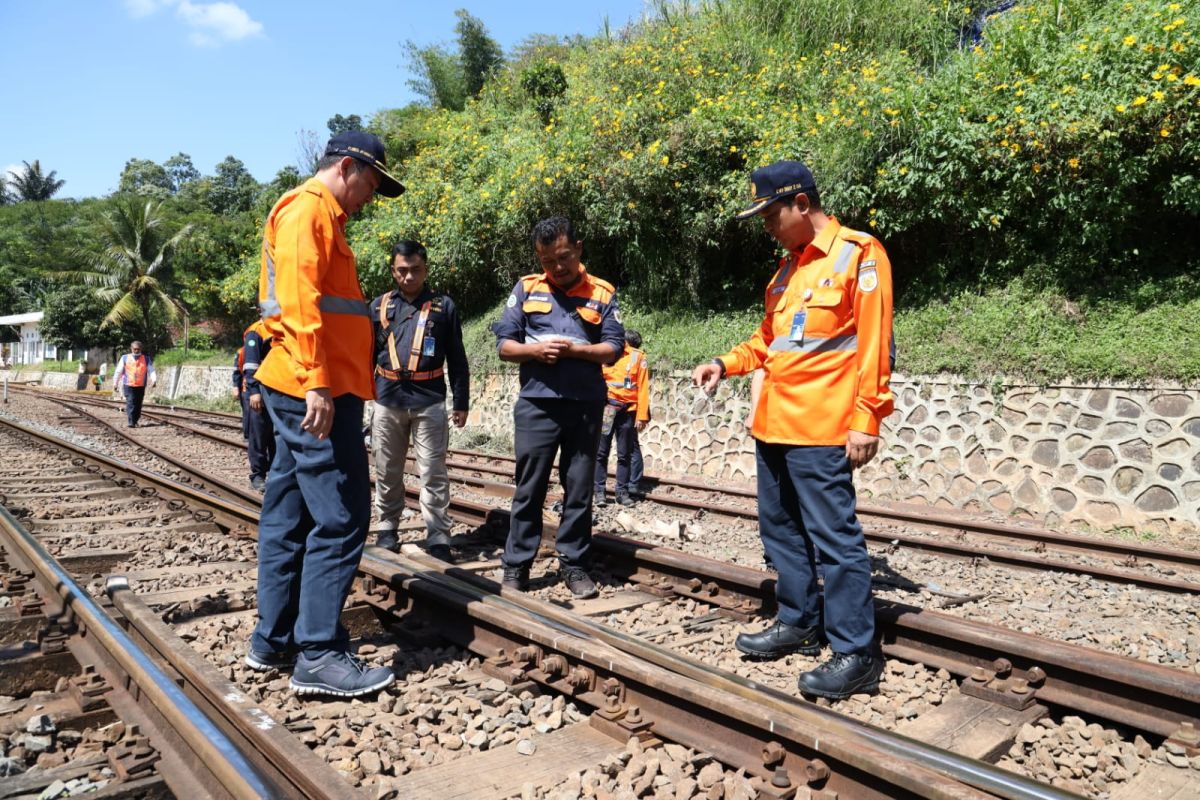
x: 843, y: 675
x: 516, y: 578
x: 780, y: 640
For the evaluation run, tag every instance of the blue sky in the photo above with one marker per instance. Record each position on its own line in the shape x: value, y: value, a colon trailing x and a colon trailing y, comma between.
x: 89, y: 84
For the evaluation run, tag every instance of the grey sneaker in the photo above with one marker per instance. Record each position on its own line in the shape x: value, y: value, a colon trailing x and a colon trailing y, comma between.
x: 263, y: 660
x: 339, y: 674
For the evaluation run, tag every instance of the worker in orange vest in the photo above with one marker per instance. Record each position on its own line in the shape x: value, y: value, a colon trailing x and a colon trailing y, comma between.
x: 317, y: 505
x: 625, y: 416
x: 824, y: 349
x: 134, y: 371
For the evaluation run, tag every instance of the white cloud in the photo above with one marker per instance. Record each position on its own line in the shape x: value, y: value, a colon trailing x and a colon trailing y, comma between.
x: 214, y: 24
x: 12, y: 170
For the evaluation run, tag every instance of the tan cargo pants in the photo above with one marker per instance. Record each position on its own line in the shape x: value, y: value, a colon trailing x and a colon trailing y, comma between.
x: 429, y: 430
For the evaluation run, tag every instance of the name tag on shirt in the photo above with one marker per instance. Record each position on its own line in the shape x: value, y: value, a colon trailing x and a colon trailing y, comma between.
x: 797, y: 334
x: 429, y: 346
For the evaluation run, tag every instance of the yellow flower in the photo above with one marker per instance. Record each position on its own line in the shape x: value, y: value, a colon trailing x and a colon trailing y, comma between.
x: 1164, y: 132
x: 548, y: 181
x: 632, y: 204
x: 1157, y: 95
x: 666, y: 160
x: 733, y: 148
x: 1121, y: 108
x: 1140, y: 100
x: 1073, y: 163
x: 1130, y: 41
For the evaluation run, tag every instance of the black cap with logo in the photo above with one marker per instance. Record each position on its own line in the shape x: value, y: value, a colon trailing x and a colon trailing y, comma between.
x: 367, y: 148
x: 775, y: 182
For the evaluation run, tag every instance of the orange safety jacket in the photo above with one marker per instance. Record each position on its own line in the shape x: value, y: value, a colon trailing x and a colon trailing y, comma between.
x: 311, y: 300
x: 135, y: 369
x: 628, y: 381
x: 824, y: 343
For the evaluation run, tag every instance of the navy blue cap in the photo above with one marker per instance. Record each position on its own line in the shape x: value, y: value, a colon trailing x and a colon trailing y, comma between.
x: 775, y: 182
x: 367, y: 148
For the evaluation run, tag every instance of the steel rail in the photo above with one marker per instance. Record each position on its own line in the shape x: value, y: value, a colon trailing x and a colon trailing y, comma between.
x: 860, y: 749
x: 1129, y: 553
x: 202, y: 755
x: 272, y: 749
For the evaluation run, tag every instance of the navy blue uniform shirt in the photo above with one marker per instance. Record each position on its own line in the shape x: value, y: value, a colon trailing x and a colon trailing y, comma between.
x: 256, y: 348
x: 539, y: 315
x: 442, y: 347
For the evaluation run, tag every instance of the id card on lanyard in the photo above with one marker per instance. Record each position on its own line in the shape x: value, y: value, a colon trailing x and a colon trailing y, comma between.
x: 797, y: 333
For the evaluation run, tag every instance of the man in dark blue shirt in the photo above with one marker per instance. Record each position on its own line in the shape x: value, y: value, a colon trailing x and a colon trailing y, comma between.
x: 560, y: 325
x: 256, y: 422
x: 418, y: 335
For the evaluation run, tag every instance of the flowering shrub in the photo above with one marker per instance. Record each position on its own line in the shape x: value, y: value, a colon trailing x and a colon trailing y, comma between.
x: 1064, y: 141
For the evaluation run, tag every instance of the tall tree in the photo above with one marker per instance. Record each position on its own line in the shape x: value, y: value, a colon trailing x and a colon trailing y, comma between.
x: 144, y: 177
x: 479, y: 53
x: 181, y: 171
x: 5, y: 198
x: 31, y: 184
x: 233, y: 187
x: 132, y: 272
x: 437, y: 76
x: 339, y: 124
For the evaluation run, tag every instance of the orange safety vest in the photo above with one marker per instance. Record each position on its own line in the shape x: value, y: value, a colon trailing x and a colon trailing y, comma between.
x: 628, y: 381
x: 135, y: 370
x: 311, y: 301
x: 414, y: 351
x: 824, y: 344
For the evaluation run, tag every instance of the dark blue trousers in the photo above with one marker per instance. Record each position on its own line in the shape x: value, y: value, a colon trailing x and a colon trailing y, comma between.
x: 637, y: 467
x: 315, y: 515
x: 260, y: 440
x: 542, y: 428
x: 623, y: 431
x: 806, y: 518
x: 133, y: 403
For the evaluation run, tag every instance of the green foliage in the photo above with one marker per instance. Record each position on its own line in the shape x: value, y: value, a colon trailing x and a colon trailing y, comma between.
x: 32, y: 185
x: 233, y: 188
x: 479, y: 53
x: 133, y: 270
x: 181, y: 171
x: 74, y: 317
x: 545, y: 82
x: 339, y: 124
x: 438, y: 76
x: 143, y: 177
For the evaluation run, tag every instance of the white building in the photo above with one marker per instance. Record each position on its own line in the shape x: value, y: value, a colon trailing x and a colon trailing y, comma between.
x: 29, y: 348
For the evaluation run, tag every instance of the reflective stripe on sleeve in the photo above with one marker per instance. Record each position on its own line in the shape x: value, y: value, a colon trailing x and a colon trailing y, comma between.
x: 344, y: 305
x: 811, y: 344
x: 843, y: 259
x: 250, y: 365
x: 269, y: 306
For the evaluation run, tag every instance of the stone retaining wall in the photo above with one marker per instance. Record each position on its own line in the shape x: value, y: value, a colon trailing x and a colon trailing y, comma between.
x: 1100, y: 456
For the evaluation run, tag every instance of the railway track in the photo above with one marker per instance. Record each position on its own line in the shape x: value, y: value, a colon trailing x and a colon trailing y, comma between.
x: 657, y: 576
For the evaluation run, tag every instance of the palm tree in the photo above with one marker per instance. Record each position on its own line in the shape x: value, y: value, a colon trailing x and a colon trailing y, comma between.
x: 32, y: 184
x: 131, y: 272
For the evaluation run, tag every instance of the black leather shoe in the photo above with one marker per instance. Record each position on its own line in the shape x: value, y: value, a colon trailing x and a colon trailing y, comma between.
x: 579, y: 582
x: 599, y: 500
x: 441, y: 552
x: 388, y: 541
x: 843, y: 675
x: 780, y: 640
x: 516, y: 578
x: 624, y: 500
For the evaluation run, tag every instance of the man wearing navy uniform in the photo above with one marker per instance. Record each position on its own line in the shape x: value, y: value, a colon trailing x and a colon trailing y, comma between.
x: 260, y: 431
x: 560, y: 325
x: 418, y: 335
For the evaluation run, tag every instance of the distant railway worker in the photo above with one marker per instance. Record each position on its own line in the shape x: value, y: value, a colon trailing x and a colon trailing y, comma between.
x: 260, y: 432
x: 560, y: 325
x: 626, y: 413
x: 823, y: 348
x: 314, y: 381
x: 133, y: 373
x: 418, y: 337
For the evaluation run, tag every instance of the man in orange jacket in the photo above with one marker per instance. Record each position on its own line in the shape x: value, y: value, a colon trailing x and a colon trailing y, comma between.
x: 314, y: 381
x: 625, y: 416
x: 824, y: 350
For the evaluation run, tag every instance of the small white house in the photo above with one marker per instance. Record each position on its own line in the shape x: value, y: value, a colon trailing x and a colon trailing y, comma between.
x: 29, y: 348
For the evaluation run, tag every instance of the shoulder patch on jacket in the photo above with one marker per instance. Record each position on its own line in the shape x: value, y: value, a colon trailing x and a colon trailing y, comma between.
x: 868, y: 279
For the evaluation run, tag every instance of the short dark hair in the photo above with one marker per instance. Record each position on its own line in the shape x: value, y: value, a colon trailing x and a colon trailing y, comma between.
x: 409, y: 248
x: 548, y: 230
x: 633, y: 338
x: 325, y: 162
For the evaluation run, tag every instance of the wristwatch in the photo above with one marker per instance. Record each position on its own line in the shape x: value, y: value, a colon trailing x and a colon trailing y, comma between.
x: 720, y: 364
